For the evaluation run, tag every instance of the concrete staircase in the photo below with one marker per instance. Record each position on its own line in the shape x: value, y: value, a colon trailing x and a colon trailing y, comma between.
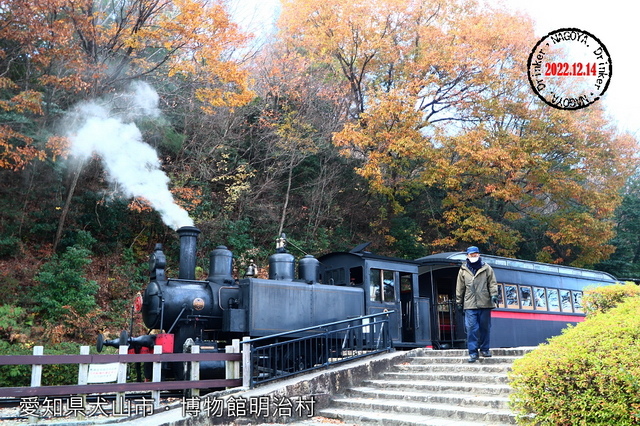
x: 433, y: 388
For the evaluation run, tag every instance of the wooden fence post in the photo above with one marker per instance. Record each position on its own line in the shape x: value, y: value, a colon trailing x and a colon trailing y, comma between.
x: 36, y: 374
x: 83, y: 373
x: 157, y: 377
x: 232, y: 368
x: 83, y: 369
x: 36, y: 369
x: 195, y: 370
x: 122, y: 378
x: 246, y: 363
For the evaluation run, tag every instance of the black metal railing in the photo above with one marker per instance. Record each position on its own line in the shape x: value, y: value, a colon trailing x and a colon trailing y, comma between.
x: 285, y: 354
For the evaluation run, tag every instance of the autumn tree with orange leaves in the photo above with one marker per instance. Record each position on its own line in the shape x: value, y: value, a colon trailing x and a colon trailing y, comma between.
x: 55, y: 53
x: 440, y: 108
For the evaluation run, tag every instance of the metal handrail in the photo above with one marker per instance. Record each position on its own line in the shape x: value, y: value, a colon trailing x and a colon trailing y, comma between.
x: 329, y: 324
x: 330, y: 344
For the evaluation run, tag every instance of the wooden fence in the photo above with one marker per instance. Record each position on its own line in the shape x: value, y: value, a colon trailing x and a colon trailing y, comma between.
x: 232, y: 358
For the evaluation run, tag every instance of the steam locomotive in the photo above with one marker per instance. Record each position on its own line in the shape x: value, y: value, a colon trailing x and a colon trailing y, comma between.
x: 536, y: 300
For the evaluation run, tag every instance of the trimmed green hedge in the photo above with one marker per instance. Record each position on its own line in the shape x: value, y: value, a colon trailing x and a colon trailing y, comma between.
x: 589, y: 375
x: 601, y: 299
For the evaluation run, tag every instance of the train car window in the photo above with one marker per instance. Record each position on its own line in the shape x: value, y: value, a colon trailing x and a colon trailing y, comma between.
x: 526, y: 297
x: 356, y: 275
x: 511, y: 296
x: 540, y: 298
x: 552, y: 298
x: 382, y: 286
x: 405, y: 282
x: 335, y: 277
x: 565, y: 301
x: 389, y: 291
x: 500, y: 296
x: 565, y: 271
x: 544, y: 267
x: 577, y: 301
x: 375, y: 282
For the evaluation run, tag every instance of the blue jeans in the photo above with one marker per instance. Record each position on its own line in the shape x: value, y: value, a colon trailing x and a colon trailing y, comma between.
x: 477, y: 322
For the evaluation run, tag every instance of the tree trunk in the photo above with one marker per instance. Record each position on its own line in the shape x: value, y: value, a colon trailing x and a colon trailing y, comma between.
x: 67, y: 204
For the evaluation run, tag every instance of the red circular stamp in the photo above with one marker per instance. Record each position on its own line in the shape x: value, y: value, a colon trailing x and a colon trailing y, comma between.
x: 569, y: 69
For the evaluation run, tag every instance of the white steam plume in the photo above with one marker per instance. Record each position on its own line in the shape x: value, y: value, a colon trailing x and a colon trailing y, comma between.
x: 105, y: 129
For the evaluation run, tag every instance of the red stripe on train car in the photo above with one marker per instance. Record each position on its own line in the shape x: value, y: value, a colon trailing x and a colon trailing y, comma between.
x: 536, y: 316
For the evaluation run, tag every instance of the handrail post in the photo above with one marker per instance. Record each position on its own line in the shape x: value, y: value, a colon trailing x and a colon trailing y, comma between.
x: 122, y: 378
x: 195, y: 371
x: 247, y: 371
x: 156, y: 376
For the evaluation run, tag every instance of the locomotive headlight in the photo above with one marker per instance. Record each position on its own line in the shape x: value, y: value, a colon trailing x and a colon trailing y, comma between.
x: 198, y: 304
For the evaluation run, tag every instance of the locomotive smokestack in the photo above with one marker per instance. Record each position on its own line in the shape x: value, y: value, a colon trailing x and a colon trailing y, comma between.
x: 188, y: 239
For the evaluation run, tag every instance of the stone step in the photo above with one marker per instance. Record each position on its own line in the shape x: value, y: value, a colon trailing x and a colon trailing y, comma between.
x: 436, y: 396
x: 452, y: 376
x: 475, y: 388
x: 517, y: 352
x: 458, y: 367
x: 435, y: 388
x: 462, y: 359
x: 355, y: 409
x: 367, y: 418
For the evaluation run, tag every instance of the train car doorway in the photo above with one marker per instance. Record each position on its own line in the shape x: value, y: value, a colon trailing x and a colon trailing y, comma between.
x: 408, y: 307
x: 439, y: 283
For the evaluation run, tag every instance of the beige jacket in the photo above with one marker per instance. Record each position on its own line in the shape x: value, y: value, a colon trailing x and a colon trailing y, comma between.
x: 476, y: 291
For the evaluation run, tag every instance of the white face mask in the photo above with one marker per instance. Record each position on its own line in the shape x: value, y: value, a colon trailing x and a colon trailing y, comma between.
x: 473, y: 259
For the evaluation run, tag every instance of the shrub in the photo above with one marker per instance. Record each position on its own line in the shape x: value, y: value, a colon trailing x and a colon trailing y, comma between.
x: 14, y: 322
x: 589, y: 375
x: 601, y: 299
x: 14, y: 375
x: 62, y: 284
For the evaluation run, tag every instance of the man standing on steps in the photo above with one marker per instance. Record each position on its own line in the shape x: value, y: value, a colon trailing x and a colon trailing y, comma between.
x: 477, y: 294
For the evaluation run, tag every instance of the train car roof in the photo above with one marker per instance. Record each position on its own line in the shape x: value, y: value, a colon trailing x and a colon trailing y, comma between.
x: 456, y: 258
x: 361, y: 253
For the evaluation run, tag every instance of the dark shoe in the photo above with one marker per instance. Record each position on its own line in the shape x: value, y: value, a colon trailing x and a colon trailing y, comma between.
x: 473, y: 357
x: 486, y: 354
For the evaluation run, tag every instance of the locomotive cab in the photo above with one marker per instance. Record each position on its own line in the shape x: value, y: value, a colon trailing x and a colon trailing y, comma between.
x: 389, y: 284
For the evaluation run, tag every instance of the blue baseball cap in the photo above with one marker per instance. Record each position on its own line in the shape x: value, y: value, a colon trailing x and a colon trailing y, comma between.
x: 473, y: 249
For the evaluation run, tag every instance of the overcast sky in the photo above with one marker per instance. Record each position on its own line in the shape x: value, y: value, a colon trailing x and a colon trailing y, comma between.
x: 611, y: 21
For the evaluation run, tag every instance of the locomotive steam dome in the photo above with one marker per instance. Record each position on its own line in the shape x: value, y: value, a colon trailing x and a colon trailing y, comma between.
x: 308, y: 269
x: 281, y: 266
x: 221, y: 265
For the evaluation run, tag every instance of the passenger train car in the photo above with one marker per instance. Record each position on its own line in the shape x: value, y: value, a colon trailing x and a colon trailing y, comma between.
x: 536, y: 300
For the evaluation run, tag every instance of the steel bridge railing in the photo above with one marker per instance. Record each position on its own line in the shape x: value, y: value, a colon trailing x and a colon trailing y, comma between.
x: 284, y: 354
